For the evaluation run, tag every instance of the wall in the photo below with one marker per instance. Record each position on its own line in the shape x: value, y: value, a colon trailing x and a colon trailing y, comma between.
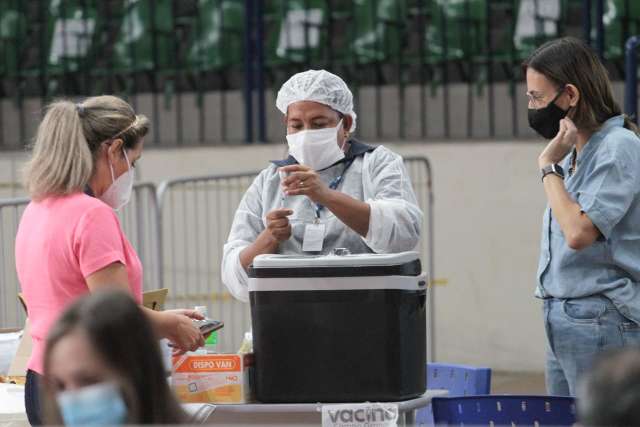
x: 488, y: 207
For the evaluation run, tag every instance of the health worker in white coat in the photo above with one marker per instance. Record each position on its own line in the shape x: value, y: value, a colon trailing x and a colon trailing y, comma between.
x: 332, y: 191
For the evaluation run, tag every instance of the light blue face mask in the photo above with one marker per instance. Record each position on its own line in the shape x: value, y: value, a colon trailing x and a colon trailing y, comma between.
x: 95, y: 405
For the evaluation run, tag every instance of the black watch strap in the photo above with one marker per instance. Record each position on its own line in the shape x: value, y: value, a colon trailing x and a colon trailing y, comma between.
x: 553, y: 168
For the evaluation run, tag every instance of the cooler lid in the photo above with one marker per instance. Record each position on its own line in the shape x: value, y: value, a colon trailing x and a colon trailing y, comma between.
x: 308, y: 284
x: 273, y: 265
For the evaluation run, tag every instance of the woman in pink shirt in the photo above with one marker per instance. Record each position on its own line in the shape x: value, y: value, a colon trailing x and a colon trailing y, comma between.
x: 70, y: 241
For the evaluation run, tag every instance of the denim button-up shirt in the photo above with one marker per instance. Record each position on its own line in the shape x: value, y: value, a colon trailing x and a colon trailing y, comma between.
x: 606, y: 185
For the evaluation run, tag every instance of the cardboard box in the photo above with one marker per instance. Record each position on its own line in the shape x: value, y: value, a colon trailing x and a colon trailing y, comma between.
x: 213, y: 378
x: 18, y: 367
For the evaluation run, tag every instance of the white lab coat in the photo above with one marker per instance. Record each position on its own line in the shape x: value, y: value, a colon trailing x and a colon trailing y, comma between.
x: 377, y: 177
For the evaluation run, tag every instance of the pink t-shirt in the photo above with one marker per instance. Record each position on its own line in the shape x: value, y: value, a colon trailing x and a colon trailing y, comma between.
x: 60, y: 242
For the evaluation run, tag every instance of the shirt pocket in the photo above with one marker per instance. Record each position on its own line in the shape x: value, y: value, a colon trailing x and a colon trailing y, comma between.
x: 630, y: 333
x: 583, y: 311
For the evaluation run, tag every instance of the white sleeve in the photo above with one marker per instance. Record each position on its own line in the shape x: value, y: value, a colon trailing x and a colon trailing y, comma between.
x: 395, y: 220
x: 247, y: 225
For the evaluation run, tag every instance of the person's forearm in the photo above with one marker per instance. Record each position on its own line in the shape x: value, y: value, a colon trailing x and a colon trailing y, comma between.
x: 575, y: 226
x: 353, y: 213
x: 264, y: 244
x: 158, y: 322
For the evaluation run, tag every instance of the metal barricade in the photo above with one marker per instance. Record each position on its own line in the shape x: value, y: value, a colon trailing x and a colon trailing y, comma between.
x: 196, y: 215
x: 420, y: 172
x: 179, y: 232
x: 139, y: 221
x: 11, y: 312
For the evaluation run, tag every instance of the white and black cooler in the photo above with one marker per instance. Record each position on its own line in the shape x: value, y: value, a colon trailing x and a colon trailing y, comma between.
x: 338, y: 328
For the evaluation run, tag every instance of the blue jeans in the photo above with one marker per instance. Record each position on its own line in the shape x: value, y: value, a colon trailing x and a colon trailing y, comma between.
x: 577, y: 330
x: 32, y: 398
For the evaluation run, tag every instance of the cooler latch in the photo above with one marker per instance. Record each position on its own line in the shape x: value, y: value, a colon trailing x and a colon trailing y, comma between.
x: 341, y: 251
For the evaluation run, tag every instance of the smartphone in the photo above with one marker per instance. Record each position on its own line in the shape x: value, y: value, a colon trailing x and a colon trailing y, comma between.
x: 208, y: 325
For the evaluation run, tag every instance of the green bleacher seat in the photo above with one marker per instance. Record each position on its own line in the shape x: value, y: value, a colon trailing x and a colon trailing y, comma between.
x: 378, y: 29
x: 621, y: 20
x: 462, y: 22
x: 455, y: 32
x: 296, y: 31
x: 13, y: 28
x: 71, y: 29
x: 216, y: 40
x: 536, y: 23
x: 135, y: 50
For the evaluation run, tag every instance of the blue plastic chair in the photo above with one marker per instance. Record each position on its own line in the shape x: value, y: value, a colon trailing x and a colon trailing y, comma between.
x: 505, y: 410
x: 459, y: 380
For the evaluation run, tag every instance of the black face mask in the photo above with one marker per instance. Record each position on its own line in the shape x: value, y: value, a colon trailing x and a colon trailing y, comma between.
x: 546, y: 121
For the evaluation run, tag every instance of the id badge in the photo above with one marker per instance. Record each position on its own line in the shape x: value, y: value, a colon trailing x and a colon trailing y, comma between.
x: 313, y: 239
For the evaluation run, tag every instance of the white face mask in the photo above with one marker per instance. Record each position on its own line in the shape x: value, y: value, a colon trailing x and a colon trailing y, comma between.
x: 317, y: 148
x: 119, y: 192
x: 97, y: 405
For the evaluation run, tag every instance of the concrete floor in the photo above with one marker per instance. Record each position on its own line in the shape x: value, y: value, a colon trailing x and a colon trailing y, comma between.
x: 508, y: 382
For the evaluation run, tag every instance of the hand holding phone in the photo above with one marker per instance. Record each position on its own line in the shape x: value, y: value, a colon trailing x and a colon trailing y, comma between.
x: 208, y: 325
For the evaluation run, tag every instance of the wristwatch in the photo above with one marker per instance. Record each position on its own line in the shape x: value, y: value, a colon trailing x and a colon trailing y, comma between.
x: 553, y: 168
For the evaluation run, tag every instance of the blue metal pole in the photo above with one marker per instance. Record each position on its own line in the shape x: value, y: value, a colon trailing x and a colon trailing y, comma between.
x: 600, y: 28
x: 259, y: 70
x: 586, y: 21
x: 631, y: 78
x: 248, y: 71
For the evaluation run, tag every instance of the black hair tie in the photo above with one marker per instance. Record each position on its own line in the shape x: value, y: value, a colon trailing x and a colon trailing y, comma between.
x: 81, y: 109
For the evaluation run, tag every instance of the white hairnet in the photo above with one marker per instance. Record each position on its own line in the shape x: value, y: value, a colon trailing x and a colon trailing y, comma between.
x: 319, y: 86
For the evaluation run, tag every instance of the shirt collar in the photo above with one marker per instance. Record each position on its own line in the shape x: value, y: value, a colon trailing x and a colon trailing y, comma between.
x: 356, y: 148
x: 607, y: 126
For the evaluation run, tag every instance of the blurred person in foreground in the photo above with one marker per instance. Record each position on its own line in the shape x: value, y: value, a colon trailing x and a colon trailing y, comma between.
x: 332, y: 191
x: 69, y: 240
x: 610, y: 393
x: 589, y: 264
x: 103, y: 366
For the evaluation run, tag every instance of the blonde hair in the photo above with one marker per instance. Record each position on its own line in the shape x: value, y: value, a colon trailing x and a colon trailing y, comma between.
x: 69, y: 138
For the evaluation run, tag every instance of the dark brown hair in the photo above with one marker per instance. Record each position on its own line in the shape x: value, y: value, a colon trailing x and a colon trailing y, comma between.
x: 571, y: 61
x: 119, y: 331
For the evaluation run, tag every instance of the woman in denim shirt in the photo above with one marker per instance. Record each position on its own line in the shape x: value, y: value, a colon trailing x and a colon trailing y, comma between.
x: 589, y: 268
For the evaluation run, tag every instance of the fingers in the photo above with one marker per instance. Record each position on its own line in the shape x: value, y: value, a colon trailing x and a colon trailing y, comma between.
x: 193, y: 340
x: 563, y: 125
x: 297, y: 177
x: 299, y: 191
x: 569, y: 125
x: 278, y: 223
x: 185, y: 336
x: 192, y: 314
x: 279, y: 227
x: 282, y: 234
x: 569, y: 121
x: 187, y: 343
x: 561, y: 132
x: 278, y: 213
x: 294, y: 168
x: 200, y: 340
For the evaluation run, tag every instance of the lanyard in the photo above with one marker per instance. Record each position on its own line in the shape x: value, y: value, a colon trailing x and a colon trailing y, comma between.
x: 334, y: 184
